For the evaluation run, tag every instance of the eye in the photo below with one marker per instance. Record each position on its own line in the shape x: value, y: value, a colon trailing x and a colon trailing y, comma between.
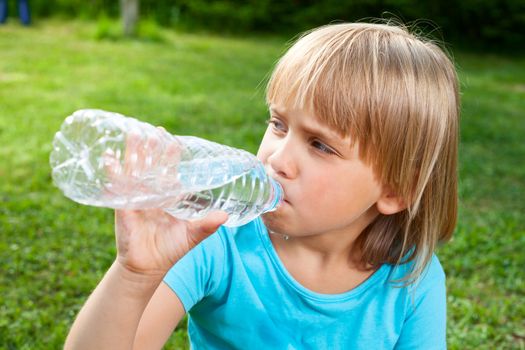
x: 322, y: 147
x: 277, y: 125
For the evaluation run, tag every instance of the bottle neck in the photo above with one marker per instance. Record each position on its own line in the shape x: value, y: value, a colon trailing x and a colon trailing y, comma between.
x: 276, y: 196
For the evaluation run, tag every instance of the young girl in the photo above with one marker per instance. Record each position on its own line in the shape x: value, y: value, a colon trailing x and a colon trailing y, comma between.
x: 362, y: 135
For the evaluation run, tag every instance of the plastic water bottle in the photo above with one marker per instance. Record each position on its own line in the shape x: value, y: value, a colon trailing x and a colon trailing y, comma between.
x: 106, y: 159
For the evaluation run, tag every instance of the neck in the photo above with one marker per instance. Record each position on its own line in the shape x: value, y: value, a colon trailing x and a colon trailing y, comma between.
x: 328, y: 263
x: 329, y: 248
x: 337, y: 246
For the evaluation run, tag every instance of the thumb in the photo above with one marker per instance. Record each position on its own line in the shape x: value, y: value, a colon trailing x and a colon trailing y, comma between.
x: 200, y: 229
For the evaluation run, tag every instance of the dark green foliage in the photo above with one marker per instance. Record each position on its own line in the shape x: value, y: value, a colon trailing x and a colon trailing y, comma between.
x: 477, y: 24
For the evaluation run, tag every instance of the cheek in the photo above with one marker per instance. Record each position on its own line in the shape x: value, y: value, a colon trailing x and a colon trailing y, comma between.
x: 322, y: 203
x: 264, y: 150
x: 337, y: 191
x: 319, y: 190
x: 260, y: 155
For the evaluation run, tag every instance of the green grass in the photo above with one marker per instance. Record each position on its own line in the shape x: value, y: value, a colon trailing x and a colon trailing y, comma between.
x: 485, y: 262
x: 53, y: 251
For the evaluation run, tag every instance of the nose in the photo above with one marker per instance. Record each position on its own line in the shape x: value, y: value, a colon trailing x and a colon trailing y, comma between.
x: 283, y: 160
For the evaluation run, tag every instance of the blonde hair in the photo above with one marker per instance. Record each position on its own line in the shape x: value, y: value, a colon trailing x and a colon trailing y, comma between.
x: 397, y: 96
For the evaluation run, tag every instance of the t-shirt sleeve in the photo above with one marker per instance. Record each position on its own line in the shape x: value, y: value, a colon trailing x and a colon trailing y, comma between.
x: 198, y: 273
x: 425, y: 322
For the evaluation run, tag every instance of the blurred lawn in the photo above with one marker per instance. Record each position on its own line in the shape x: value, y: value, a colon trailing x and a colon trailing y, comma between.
x: 53, y: 251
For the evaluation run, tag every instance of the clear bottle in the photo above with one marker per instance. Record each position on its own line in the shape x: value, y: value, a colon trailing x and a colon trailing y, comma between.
x: 106, y: 159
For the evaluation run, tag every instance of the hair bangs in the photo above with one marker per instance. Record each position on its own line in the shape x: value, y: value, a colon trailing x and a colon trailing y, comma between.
x: 317, y: 84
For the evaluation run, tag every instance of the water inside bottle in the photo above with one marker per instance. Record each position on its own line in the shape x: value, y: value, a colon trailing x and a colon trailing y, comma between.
x: 243, y: 198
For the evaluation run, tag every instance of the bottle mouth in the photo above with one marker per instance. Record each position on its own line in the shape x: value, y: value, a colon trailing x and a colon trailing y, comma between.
x: 277, y: 196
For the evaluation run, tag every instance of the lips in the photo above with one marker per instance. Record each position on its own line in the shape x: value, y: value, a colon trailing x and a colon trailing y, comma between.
x: 285, y: 197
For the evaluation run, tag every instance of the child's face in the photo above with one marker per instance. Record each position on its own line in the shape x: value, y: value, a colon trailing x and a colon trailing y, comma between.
x: 326, y: 186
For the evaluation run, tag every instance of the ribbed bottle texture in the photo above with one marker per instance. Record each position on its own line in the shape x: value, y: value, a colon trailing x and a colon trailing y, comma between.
x: 105, y: 159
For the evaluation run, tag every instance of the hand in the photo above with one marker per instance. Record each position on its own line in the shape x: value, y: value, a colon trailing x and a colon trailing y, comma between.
x: 149, y: 242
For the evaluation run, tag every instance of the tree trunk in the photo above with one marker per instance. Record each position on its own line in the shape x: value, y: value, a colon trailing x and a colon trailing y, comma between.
x: 130, y: 15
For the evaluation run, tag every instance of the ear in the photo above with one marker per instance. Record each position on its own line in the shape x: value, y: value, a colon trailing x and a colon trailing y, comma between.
x: 390, y: 203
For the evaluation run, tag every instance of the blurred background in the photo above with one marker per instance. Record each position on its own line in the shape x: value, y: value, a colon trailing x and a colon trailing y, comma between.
x: 199, y: 67
x: 473, y: 23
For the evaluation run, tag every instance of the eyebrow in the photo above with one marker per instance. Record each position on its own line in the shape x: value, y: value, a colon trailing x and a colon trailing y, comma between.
x: 324, y: 134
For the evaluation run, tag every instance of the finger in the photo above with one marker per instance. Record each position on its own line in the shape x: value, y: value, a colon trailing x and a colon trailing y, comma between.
x: 118, y: 165
x: 200, y: 229
x: 173, y: 153
x: 167, y: 167
x: 113, y: 170
x: 111, y: 164
x: 150, y: 151
x: 138, y: 164
x: 133, y: 147
x: 215, y: 219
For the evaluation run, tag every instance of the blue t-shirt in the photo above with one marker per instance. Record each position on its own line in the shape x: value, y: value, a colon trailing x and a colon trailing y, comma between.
x: 239, y: 295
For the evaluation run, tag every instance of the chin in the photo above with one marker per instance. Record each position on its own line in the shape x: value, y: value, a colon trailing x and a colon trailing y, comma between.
x: 276, y: 222
x: 272, y: 220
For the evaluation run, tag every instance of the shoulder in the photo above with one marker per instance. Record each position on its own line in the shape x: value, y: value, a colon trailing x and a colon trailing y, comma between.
x: 205, y: 269
x: 433, y: 272
x: 424, y: 325
x: 434, y: 267
x: 427, y: 291
x: 428, y: 288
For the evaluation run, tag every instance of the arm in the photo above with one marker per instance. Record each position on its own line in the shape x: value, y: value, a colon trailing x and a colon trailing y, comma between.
x: 132, y: 293
x: 110, y: 317
x: 162, y: 314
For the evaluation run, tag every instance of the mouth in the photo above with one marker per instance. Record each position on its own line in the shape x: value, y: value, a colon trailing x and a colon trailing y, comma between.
x: 285, y: 200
